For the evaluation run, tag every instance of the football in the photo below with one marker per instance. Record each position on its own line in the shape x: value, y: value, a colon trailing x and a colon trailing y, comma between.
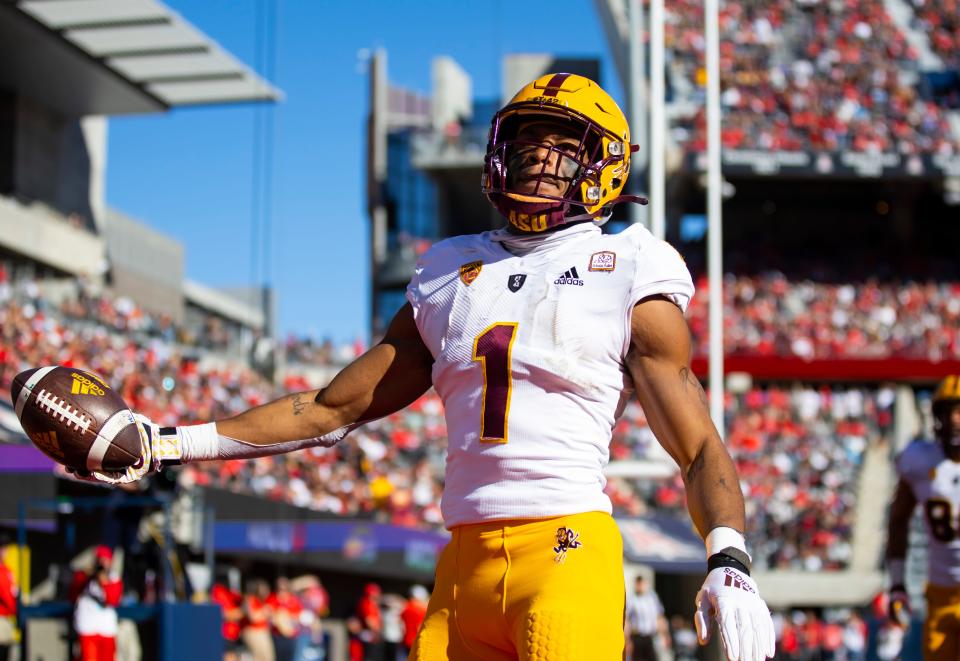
x: 76, y: 419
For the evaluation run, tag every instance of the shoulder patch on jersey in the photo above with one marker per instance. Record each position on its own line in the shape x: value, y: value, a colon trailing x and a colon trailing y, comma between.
x: 604, y: 260
x: 470, y: 271
x: 515, y: 281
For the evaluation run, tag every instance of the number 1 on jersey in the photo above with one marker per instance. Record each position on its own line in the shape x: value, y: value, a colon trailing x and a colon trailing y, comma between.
x: 492, y: 349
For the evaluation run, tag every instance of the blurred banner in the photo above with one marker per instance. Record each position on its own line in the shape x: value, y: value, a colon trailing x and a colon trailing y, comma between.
x: 352, y: 546
x: 827, y: 164
x: 663, y: 543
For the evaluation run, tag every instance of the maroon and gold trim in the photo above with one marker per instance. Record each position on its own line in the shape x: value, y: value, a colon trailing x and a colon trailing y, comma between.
x: 493, y: 349
x: 555, y: 85
x: 470, y: 271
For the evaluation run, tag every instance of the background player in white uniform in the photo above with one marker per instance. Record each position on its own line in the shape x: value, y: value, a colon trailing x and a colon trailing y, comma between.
x: 534, y: 337
x: 930, y: 475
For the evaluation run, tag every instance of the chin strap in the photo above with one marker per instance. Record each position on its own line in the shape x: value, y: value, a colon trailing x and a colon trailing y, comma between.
x: 607, y: 209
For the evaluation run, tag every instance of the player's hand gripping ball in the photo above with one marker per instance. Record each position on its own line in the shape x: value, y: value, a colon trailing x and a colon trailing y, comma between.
x: 76, y: 419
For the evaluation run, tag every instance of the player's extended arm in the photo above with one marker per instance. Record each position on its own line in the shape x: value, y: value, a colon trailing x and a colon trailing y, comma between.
x: 676, y: 408
x: 901, y: 509
x: 385, y: 379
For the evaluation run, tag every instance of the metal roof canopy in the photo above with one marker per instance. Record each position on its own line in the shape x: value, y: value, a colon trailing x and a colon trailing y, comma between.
x: 111, y: 57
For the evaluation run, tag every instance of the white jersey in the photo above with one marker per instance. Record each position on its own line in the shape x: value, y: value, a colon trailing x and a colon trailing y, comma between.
x: 529, y: 362
x: 935, y: 481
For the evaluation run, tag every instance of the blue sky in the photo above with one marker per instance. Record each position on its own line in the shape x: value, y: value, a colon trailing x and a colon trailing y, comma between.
x: 188, y: 172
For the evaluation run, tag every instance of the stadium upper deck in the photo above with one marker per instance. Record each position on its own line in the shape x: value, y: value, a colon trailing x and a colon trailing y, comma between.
x: 940, y: 19
x: 813, y: 76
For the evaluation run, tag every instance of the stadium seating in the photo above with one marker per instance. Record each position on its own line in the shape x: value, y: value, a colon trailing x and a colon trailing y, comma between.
x: 940, y: 19
x: 114, y: 337
x: 390, y: 470
x: 769, y: 315
x: 809, y: 76
x: 797, y: 452
x: 306, y: 351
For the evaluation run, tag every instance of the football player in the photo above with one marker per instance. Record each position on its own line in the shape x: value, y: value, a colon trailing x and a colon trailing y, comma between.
x: 930, y: 475
x: 534, y: 336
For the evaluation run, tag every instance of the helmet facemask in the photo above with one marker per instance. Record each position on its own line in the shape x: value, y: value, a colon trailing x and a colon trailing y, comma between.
x: 537, y: 185
x: 946, y: 415
x: 946, y: 429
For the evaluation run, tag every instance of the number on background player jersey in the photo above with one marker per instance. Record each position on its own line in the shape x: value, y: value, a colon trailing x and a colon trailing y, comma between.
x: 940, y: 514
x: 492, y: 349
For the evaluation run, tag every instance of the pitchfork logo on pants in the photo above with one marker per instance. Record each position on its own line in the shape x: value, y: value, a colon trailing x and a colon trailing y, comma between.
x: 567, y: 539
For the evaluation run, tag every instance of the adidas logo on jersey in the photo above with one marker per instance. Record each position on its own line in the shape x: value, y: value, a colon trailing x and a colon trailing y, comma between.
x: 569, y: 277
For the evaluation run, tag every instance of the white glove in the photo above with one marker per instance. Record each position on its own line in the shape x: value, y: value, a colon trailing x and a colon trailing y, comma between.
x: 731, y: 598
x: 153, y: 448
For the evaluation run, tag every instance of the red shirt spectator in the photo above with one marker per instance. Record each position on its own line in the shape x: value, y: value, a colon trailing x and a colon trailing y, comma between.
x: 96, y: 594
x: 257, y: 613
x: 413, y: 614
x: 230, y: 603
x: 286, y: 609
x: 369, y: 623
x: 8, y: 591
x: 256, y: 624
x: 368, y: 608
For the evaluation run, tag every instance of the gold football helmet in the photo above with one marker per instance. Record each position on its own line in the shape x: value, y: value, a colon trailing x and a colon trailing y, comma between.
x: 588, y: 172
x: 947, y: 391
x: 945, y: 428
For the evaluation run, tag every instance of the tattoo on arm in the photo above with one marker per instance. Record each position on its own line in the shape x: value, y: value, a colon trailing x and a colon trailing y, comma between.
x: 298, y: 404
x: 722, y: 483
x: 690, y: 380
x: 695, y: 467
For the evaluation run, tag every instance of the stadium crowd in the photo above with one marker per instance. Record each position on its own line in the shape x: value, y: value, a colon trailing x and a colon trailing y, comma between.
x: 770, y: 315
x: 940, y: 19
x: 390, y: 469
x: 797, y: 452
x: 155, y: 375
x: 307, y: 351
x: 802, y: 635
x: 809, y: 76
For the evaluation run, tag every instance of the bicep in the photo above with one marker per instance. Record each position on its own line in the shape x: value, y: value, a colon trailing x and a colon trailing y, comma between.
x: 901, y: 509
x: 898, y: 523
x: 388, y: 377
x: 659, y: 364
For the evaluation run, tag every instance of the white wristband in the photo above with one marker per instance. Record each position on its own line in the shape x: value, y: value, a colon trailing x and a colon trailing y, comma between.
x: 204, y: 443
x: 896, y: 569
x: 722, y: 538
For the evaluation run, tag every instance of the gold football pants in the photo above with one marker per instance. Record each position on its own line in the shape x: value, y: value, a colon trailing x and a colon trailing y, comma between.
x: 941, y: 631
x: 531, y: 590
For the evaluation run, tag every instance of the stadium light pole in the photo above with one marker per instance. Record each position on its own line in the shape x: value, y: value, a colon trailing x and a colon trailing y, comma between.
x: 714, y: 213
x: 658, y: 125
x: 638, y: 109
